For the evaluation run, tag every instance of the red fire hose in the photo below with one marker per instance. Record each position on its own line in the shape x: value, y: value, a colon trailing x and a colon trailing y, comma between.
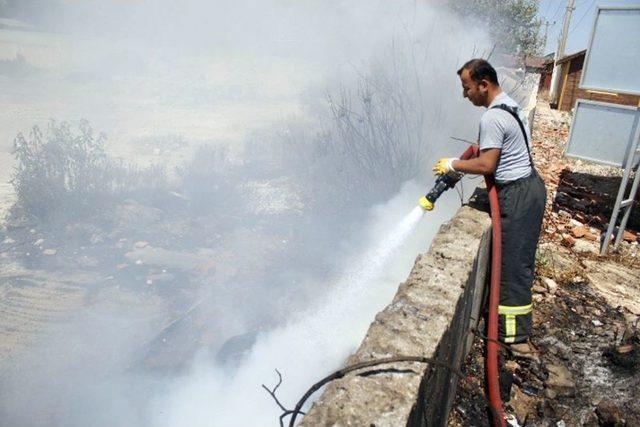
x: 491, y: 359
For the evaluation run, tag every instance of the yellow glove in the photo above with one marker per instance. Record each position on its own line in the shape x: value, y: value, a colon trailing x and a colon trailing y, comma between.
x: 444, y: 166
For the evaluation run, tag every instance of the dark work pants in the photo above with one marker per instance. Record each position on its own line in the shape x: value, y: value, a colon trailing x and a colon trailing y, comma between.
x: 521, y: 209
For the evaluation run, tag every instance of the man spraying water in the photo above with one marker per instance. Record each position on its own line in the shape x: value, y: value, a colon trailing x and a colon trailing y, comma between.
x: 517, y: 196
x: 505, y: 154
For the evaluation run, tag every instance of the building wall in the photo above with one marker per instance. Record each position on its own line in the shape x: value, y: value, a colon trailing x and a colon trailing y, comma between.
x: 545, y: 78
x: 571, y: 92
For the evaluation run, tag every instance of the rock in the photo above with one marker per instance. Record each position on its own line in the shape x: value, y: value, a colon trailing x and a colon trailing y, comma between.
x: 609, y: 413
x: 49, y: 252
x: 539, y: 289
x: 122, y: 266
x: 141, y: 244
x: 550, y: 284
x: 38, y: 242
x: 564, y: 214
x: 579, y: 231
x: 596, y: 322
x: 575, y: 224
x: 522, y: 405
x: 556, y: 346
x: 560, y: 380
x: 579, y: 309
x: 568, y: 241
x: 586, y: 246
x: 593, y: 237
x: 628, y: 236
x: 591, y: 420
x: 511, y: 365
x: 550, y: 394
x: 625, y: 348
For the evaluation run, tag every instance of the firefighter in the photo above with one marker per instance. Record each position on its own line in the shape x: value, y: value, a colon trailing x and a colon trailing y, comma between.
x: 505, y: 153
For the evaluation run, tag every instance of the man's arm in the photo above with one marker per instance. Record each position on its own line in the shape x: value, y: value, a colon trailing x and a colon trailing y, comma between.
x: 485, y: 164
x: 490, y: 141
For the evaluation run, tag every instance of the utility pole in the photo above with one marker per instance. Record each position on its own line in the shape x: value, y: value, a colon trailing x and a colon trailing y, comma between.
x: 562, y: 43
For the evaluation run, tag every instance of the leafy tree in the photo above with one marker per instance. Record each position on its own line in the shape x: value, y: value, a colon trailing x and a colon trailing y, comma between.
x: 512, y: 24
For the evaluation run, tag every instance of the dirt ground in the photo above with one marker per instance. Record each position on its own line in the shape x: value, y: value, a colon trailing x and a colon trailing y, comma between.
x: 585, y: 369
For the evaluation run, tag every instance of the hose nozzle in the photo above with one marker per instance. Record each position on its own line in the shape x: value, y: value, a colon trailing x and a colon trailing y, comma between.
x: 443, y: 183
x: 425, y: 203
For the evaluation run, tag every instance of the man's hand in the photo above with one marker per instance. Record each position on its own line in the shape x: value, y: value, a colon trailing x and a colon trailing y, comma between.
x: 444, y: 166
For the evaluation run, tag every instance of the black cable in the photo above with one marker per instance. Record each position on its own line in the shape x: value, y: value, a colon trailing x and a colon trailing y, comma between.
x: 547, y: 10
x: 582, y: 17
x: 557, y: 10
x: 342, y: 373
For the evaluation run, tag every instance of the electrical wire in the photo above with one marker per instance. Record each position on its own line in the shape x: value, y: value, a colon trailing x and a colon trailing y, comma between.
x: 460, y: 191
x: 557, y: 10
x: 582, y: 17
x: 547, y: 9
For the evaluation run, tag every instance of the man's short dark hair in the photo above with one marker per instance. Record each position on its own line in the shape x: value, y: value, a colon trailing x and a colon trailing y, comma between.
x: 480, y: 69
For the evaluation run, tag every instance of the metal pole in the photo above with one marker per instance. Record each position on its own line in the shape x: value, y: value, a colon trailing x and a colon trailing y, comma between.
x: 546, y: 31
x: 616, y: 209
x: 632, y: 195
x: 565, y: 27
x: 562, y: 43
x: 623, y: 187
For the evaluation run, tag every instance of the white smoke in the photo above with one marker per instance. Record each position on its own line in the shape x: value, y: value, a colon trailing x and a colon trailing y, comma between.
x: 317, y: 340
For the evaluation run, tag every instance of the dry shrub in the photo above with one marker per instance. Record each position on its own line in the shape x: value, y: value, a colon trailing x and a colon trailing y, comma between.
x: 64, y: 174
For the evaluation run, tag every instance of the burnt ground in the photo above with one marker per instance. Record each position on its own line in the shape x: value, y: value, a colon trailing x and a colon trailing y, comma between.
x: 586, y: 366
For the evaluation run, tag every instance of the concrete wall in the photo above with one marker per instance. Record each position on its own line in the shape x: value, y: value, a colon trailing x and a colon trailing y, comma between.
x: 430, y: 316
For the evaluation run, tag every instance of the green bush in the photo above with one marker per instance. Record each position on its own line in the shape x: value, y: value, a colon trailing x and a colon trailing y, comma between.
x: 67, y: 174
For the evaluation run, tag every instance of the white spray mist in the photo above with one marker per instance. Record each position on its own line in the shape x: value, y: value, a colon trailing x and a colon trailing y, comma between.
x: 316, y: 341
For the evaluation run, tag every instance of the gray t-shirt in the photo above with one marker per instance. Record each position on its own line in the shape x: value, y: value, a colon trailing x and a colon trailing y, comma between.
x: 499, y: 129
